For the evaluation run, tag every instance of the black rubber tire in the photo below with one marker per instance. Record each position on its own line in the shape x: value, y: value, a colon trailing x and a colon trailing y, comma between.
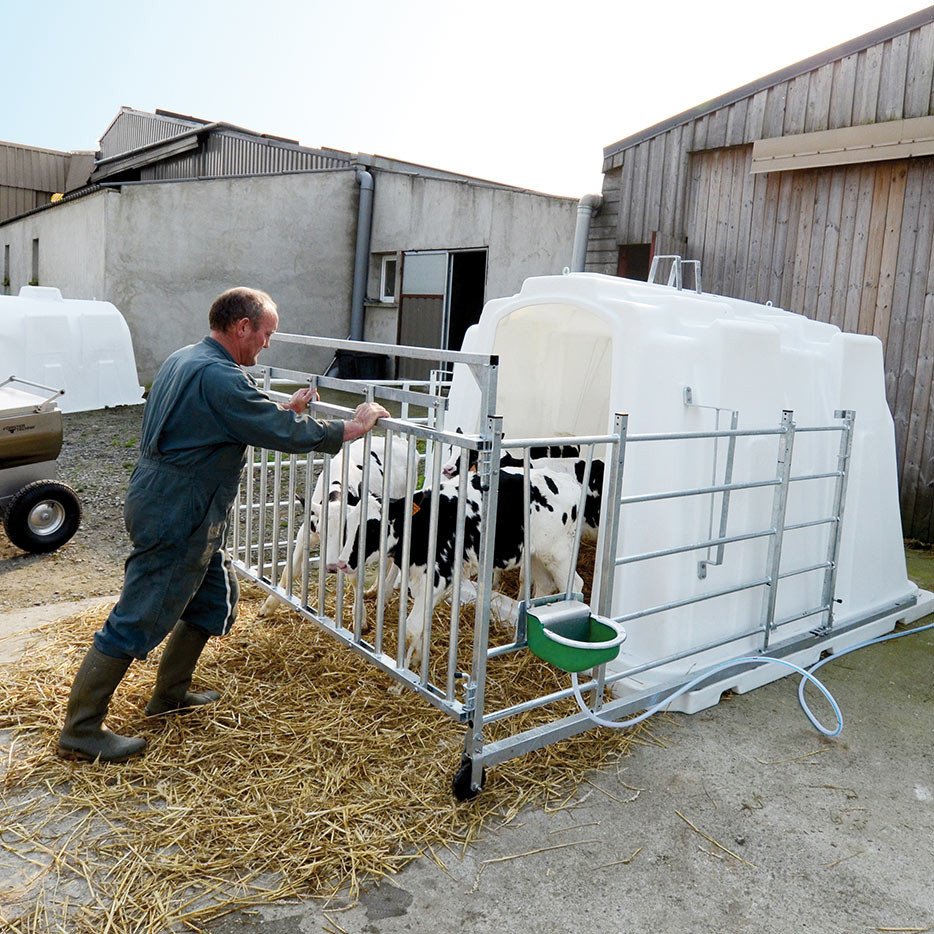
x: 42, y: 516
x: 460, y: 785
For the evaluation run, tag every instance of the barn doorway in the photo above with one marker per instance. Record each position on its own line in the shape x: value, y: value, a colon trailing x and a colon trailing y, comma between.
x: 634, y: 261
x: 442, y: 296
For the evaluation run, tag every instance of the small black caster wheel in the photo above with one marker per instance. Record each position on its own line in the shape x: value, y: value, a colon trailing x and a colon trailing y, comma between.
x: 42, y: 516
x: 461, y: 784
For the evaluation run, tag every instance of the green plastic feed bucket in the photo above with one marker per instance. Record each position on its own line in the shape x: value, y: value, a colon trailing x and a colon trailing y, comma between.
x: 568, y: 636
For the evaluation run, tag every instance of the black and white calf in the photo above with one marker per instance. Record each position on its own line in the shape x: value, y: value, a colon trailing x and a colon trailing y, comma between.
x: 353, y: 453
x: 564, y: 458
x: 551, y: 457
x: 554, y: 499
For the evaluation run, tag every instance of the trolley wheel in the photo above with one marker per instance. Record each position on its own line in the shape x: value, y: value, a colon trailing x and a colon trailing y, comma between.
x: 42, y: 516
x: 461, y: 783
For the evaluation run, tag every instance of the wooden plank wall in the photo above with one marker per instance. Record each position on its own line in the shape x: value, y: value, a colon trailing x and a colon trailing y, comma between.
x: 851, y: 245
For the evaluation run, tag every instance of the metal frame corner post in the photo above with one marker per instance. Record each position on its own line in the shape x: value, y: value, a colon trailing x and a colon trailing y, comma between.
x: 839, y: 503
x: 489, y: 479
x: 779, y: 504
x: 609, y: 525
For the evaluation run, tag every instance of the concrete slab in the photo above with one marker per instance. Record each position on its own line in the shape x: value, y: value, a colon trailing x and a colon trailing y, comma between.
x: 17, y: 626
x: 742, y: 818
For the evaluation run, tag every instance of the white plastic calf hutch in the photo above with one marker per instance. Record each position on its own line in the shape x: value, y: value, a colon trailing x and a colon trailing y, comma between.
x: 759, y: 505
x: 749, y: 501
x: 80, y: 346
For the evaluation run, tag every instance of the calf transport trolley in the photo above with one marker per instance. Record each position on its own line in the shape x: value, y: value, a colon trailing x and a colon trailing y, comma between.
x: 39, y: 513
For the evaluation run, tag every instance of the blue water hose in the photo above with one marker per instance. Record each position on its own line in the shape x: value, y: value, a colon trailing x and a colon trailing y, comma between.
x: 806, y: 676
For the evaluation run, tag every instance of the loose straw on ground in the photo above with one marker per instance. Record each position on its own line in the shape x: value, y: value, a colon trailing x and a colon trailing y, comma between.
x: 307, y: 779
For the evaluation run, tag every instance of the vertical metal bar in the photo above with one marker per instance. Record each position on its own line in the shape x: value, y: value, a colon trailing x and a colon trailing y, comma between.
x: 463, y: 477
x: 579, y: 529
x: 305, y: 545
x: 410, y: 477
x: 489, y: 474
x: 713, y: 496
x: 432, y: 449
x: 383, y: 532
x: 839, y: 502
x: 276, y: 508
x: 608, y: 536
x: 432, y: 563
x: 364, y: 493
x: 263, y: 498
x: 786, y: 442
x: 526, y: 528
x: 235, y: 524
x: 341, y: 532
x: 290, y: 523
x: 248, y: 524
x: 725, y: 496
x: 323, y: 532
x: 404, y: 412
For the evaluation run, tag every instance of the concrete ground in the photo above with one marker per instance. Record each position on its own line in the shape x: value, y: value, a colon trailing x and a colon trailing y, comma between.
x: 742, y: 818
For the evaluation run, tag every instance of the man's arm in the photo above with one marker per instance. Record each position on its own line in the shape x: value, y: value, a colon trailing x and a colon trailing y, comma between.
x: 364, y: 417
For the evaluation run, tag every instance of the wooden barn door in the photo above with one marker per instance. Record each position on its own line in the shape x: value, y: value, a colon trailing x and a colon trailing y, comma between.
x: 851, y: 245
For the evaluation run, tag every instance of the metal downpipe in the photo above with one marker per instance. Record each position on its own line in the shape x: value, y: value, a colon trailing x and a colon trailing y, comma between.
x: 361, y: 253
x: 588, y: 208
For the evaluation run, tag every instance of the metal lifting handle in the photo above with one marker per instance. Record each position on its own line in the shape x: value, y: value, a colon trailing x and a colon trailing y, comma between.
x: 675, y: 277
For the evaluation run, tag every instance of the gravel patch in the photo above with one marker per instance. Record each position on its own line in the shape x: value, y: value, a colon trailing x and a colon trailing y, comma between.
x: 99, y: 451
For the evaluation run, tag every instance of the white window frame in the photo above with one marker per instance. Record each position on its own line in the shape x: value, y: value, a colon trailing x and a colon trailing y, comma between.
x: 388, y: 298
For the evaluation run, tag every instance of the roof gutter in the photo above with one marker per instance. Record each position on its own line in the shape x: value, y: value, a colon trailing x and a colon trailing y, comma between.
x: 588, y: 208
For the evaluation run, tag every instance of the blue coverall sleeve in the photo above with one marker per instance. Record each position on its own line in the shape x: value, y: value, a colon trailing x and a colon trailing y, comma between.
x: 252, y: 417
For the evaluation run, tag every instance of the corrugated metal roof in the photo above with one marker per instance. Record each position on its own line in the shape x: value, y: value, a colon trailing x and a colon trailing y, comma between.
x: 168, y: 146
x: 131, y: 129
x: 29, y: 176
x: 884, y: 33
x: 31, y: 168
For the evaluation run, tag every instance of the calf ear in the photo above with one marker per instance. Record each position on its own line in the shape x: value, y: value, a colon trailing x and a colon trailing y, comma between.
x: 334, y: 496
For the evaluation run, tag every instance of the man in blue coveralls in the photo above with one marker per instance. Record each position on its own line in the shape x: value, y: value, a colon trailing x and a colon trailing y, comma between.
x: 201, y: 413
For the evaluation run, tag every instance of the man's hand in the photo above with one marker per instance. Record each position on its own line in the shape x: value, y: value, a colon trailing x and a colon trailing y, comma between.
x: 364, y: 418
x: 300, y: 400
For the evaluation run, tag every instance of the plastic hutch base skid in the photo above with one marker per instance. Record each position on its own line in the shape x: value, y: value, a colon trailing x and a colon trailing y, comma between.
x: 802, y: 651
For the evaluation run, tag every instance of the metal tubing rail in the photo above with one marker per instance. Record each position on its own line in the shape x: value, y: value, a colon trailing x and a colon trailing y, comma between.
x: 394, y: 394
x: 537, y: 737
x: 700, y: 598
x: 816, y: 476
x: 455, y: 710
x: 700, y: 491
x: 808, y: 525
x: 814, y: 567
x: 391, y: 350
x: 473, y: 442
x: 395, y: 390
x: 696, y: 435
x: 557, y: 442
x: 555, y: 696
x: 681, y: 549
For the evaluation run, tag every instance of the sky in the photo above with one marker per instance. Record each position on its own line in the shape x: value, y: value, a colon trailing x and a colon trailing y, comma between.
x: 523, y: 93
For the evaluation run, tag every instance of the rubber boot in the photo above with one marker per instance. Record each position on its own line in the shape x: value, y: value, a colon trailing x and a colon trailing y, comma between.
x: 173, y: 679
x: 83, y: 736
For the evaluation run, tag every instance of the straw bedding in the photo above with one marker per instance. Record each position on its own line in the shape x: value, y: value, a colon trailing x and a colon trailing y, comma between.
x: 308, y: 778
